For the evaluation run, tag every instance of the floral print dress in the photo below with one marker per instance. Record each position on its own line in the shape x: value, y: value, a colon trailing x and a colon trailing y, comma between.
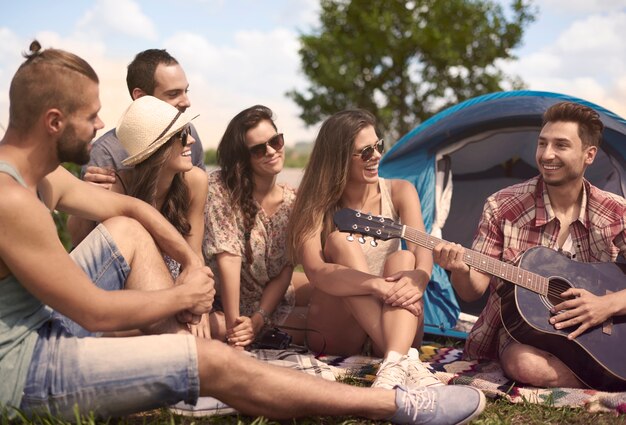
x: 225, y: 233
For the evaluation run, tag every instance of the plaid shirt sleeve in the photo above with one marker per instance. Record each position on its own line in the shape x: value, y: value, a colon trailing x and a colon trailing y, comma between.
x: 505, y: 231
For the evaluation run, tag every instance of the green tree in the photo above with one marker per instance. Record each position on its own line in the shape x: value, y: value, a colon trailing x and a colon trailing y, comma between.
x: 210, y: 156
x: 404, y: 60
x: 60, y: 218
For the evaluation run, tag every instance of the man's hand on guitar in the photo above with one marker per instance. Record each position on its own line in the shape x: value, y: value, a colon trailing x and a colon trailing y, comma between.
x: 585, y: 310
x: 450, y: 257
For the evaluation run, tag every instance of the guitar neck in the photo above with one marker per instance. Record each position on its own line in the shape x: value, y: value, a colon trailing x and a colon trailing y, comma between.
x: 484, y: 263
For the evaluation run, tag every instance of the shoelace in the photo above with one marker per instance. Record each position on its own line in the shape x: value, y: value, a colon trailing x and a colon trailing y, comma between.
x: 418, y: 372
x: 418, y: 401
x: 391, y: 373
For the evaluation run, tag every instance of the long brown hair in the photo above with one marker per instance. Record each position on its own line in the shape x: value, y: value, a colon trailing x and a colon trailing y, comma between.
x: 141, y: 182
x: 233, y: 157
x: 325, y: 177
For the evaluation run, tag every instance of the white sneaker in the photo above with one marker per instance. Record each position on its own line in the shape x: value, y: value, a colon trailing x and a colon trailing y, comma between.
x: 391, y: 374
x: 418, y: 375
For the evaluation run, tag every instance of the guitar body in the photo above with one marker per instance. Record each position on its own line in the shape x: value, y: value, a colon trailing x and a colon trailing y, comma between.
x: 597, y: 356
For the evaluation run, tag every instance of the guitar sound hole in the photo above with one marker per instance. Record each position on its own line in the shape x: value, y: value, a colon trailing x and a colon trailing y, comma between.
x: 556, y: 287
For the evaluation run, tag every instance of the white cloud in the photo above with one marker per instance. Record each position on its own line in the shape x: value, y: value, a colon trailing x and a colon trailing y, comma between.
x: 11, y: 48
x: 587, y: 60
x: 303, y: 12
x: 111, y: 72
x: 258, y: 68
x: 117, y: 16
x: 247, y: 68
x: 582, y: 7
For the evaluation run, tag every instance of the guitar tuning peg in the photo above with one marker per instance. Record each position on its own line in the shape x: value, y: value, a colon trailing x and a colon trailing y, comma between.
x: 374, y: 242
x: 350, y: 238
x: 361, y: 239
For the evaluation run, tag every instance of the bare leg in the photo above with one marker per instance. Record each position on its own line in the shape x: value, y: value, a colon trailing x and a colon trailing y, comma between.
x: 399, y: 325
x: 236, y: 379
x: 326, y: 311
x: 217, y: 321
x: 148, y: 270
x: 302, y: 288
x: 536, y: 367
x: 298, y: 316
x: 366, y: 314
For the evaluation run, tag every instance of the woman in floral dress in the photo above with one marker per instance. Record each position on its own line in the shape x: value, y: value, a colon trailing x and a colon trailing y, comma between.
x: 247, y: 215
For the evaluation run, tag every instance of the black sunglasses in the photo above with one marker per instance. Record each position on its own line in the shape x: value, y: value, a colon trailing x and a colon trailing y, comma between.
x: 277, y: 142
x: 183, y: 134
x: 368, y: 151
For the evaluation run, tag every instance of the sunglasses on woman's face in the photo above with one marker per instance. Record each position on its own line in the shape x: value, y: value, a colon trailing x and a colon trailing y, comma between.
x: 368, y: 151
x: 277, y: 142
x: 183, y: 135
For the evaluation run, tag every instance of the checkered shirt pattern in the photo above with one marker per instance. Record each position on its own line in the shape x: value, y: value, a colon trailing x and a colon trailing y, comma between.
x: 520, y: 217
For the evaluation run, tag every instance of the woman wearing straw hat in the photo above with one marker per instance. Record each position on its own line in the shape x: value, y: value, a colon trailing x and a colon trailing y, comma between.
x: 156, y: 136
x: 247, y: 216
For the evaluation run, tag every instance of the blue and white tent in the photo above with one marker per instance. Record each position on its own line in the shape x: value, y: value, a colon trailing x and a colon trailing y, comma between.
x: 465, y: 153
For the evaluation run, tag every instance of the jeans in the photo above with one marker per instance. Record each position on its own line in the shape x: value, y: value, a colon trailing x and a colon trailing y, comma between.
x: 108, y: 376
x: 102, y: 261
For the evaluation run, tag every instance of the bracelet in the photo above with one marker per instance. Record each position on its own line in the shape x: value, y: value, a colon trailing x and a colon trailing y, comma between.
x: 264, y: 315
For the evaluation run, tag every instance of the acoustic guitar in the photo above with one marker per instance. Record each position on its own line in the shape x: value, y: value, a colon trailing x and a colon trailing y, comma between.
x: 596, y: 356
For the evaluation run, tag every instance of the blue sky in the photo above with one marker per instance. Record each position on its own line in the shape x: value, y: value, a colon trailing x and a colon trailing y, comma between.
x: 238, y: 53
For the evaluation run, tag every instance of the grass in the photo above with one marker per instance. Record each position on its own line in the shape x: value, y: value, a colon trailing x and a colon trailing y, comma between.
x: 496, y: 412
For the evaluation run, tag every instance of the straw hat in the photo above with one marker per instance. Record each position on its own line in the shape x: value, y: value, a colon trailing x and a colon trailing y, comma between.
x: 146, y: 125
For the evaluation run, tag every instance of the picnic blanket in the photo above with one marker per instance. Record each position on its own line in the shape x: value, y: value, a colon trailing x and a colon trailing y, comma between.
x: 446, y: 364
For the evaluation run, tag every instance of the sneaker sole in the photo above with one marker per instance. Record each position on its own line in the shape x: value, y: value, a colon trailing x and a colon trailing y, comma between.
x: 477, y: 412
x: 199, y: 413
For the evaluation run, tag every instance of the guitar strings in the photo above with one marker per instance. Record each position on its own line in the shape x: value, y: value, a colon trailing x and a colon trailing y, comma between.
x: 554, y: 287
x: 536, y: 283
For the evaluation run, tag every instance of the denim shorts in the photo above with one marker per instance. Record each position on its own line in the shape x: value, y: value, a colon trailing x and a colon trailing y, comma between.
x: 102, y: 261
x: 107, y: 376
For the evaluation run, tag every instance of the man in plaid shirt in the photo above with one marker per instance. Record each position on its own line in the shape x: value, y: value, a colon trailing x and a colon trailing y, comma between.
x: 558, y: 209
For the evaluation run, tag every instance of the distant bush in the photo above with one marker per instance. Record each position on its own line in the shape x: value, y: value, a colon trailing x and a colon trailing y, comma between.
x: 210, y: 156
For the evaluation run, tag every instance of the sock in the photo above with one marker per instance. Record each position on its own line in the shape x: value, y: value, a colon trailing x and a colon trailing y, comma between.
x: 413, y: 354
x: 392, y: 356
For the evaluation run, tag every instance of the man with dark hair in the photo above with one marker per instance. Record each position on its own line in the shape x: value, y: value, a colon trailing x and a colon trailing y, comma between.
x: 156, y: 73
x: 152, y: 72
x: 46, y: 369
x: 558, y: 209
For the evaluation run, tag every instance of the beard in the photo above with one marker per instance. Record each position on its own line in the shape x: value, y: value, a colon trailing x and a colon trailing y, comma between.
x: 569, y: 175
x: 71, y: 149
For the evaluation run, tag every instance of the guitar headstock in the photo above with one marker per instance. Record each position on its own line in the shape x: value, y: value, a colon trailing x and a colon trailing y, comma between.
x: 352, y: 221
